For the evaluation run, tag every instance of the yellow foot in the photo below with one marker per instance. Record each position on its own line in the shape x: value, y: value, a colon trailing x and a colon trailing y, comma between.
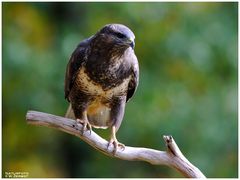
x: 86, y: 125
x: 116, y: 144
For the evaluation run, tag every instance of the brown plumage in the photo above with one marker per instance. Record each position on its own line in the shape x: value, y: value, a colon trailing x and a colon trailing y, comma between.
x: 101, y: 76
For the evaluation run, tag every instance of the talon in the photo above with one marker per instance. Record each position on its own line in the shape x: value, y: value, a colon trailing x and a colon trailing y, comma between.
x: 86, y: 125
x: 122, y: 146
x: 79, y: 121
x: 110, y: 142
x: 116, y: 144
x: 89, y: 128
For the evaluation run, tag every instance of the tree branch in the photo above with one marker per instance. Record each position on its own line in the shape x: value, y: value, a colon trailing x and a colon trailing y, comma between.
x: 173, y: 157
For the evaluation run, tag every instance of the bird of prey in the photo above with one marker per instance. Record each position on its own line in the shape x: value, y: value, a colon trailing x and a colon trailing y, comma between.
x: 101, y: 76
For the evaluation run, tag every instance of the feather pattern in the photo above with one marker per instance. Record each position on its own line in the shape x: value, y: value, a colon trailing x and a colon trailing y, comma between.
x: 101, y: 73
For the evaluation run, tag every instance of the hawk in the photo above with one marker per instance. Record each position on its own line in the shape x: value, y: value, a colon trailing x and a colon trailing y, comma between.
x: 101, y: 76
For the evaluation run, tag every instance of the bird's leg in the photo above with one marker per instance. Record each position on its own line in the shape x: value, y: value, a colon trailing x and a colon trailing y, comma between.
x: 114, y: 141
x: 116, y: 116
x: 85, y: 122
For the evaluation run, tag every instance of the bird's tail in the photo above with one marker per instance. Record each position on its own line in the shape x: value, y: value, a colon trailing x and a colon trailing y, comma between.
x: 70, y: 114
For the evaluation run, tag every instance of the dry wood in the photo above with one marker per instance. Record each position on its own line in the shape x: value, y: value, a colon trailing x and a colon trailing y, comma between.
x: 173, y: 157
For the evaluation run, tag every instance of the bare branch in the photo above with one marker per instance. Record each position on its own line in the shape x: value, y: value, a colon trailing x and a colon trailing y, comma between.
x: 173, y: 157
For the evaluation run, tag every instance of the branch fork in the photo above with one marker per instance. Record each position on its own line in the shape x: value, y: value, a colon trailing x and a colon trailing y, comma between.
x: 173, y: 157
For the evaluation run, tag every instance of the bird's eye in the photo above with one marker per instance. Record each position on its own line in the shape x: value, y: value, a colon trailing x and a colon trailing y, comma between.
x: 120, y: 35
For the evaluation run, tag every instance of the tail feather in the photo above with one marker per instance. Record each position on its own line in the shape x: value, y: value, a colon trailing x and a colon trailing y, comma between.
x: 70, y: 114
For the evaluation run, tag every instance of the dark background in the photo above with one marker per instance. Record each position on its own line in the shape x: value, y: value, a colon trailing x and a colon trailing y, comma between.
x: 188, y: 86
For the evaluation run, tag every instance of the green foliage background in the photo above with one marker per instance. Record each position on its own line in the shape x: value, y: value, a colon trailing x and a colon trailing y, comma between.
x: 188, y: 86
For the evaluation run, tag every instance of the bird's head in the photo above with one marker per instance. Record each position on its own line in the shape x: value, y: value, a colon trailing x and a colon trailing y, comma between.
x: 118, y: 35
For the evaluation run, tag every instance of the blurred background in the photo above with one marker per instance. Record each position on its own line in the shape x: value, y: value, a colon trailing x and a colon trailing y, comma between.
x: 188, y: 86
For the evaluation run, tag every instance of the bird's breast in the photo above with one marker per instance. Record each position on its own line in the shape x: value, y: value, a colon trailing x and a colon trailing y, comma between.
x: 89, y: 86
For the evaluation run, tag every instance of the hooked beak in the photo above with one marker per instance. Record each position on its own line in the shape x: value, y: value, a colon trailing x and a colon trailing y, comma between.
x: 131, y: 43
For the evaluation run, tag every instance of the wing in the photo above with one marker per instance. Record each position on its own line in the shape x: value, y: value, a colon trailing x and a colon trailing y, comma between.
x: 132, y: 86
x: 76, y: 61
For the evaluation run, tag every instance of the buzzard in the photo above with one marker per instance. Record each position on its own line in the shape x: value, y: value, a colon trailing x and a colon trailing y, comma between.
x: 101, y: 76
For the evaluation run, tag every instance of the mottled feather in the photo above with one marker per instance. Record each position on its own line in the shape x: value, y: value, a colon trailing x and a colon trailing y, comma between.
x: 101, y: 73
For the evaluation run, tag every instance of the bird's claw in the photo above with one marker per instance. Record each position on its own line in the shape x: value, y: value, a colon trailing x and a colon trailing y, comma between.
x: 86, y: 125
x: 116, y: 144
